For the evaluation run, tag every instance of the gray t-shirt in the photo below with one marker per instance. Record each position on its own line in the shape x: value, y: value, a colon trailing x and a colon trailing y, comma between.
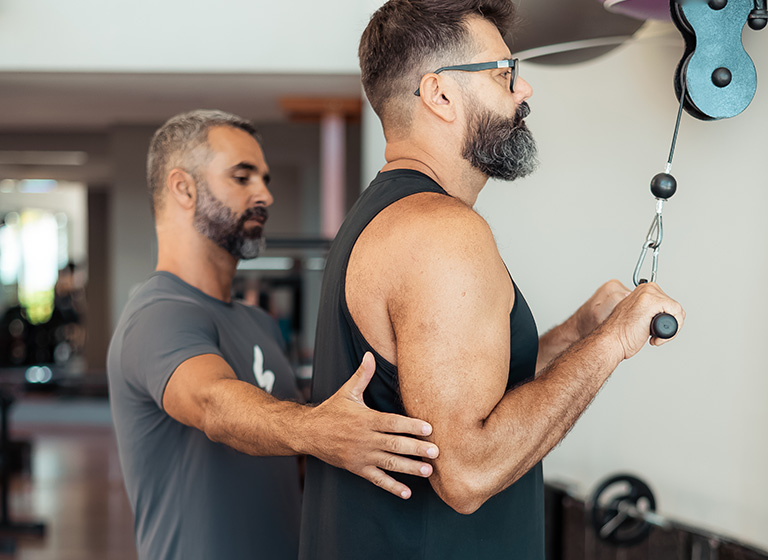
x: 193, y: 498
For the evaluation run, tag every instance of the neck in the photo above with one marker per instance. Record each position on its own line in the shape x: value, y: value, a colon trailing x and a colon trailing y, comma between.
x: 197, y: 261
x: 451, y: 171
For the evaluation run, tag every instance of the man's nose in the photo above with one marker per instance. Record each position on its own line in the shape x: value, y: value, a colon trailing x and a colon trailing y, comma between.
x: 523, y: 91
x: 261, y: 195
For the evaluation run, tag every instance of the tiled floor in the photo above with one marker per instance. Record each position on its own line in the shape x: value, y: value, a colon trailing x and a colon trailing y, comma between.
x: 76, y: 489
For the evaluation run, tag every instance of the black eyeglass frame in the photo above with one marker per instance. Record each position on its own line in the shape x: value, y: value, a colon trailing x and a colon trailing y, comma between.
x: 512, y: 63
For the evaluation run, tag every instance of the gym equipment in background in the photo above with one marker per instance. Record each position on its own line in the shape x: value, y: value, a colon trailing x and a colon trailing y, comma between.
x: 623, y: 510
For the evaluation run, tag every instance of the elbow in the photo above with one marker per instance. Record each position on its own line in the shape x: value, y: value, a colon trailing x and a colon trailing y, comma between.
x: 465, y: 489
x: 210, y: 422
x: 464, y: 492
x: 211, y: 428
x: 466, y: 507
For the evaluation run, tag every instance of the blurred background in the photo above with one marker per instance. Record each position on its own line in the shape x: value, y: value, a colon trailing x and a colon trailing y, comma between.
x: 84, y: 84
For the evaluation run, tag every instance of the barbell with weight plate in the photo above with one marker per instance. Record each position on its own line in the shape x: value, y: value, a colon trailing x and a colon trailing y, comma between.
x: 623, y: 510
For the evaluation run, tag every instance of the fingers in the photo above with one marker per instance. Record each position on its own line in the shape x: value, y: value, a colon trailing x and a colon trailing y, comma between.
x: 396, y: 424
x: 617, y: 285
x: 360, y: 379
x: 386, y: 482
x: 401, y: 445
x: 664, y: 304
x: 655, y: 300
x: 612, y: 290
x: 633, y: 316
x: 405, y: 465
x: 394, y: 463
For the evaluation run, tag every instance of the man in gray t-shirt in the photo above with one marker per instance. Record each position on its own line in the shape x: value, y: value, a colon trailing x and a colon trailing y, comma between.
x: 210, y: 490
x: 203, y: 399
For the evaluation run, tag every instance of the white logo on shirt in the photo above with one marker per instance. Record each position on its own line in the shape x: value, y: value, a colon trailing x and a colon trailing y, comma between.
x: 264, y: 379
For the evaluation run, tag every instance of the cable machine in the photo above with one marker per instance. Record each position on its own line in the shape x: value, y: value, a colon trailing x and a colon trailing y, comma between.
x: 715, y: 79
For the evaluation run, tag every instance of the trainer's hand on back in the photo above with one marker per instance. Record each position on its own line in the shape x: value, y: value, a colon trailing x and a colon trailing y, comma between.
x: 366, y: 442
x: 630, y: 321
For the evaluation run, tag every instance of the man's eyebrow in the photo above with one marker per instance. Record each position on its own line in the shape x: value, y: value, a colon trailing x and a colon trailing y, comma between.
x: 244, y: 165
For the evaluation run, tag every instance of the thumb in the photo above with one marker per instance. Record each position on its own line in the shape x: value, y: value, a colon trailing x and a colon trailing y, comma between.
x: 360, y: 379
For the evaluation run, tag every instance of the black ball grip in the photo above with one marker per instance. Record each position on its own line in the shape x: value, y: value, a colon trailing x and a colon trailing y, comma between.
x: 663, y: 325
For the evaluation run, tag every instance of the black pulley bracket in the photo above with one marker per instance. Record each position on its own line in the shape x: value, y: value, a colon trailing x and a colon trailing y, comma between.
x: 716, y: 78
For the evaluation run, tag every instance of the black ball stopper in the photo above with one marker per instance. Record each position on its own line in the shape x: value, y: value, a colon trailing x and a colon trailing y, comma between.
x: 721, y: 77
x: 664, y: 326
x: 758, y: 20
x: 718, y: 4
x: 663, y: 186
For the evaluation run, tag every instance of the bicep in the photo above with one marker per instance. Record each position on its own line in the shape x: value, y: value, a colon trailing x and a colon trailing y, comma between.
x: 190, y: 387
x: 453, y: 348
x: 159, y: 338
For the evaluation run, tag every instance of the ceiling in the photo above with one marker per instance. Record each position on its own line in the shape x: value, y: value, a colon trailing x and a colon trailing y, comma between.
x: 554, y: 22
x: 95, y: 101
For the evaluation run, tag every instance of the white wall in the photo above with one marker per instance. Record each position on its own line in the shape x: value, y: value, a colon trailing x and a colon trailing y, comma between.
x: 691, y: 417
x: 373, y: 144
x: 182, y: 35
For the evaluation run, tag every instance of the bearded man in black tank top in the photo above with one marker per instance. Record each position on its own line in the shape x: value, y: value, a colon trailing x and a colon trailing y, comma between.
x: 415, y: 277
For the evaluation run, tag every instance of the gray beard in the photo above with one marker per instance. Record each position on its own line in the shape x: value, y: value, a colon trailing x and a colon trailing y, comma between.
x: 499, y: 147
x: 223, y: 226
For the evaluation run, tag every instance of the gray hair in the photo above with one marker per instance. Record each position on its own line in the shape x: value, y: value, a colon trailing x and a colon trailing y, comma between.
x: 179, y: 140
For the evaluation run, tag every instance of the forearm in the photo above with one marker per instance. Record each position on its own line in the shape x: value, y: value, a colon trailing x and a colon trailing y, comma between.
x: 555, y: 341
x: 250, y: 420
x: 526, y: 424
x: 594, y: 311
x: 204, y: 393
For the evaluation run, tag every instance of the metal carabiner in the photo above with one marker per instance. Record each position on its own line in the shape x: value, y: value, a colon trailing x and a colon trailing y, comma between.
x: 654, y: 266
x: 652, y: 241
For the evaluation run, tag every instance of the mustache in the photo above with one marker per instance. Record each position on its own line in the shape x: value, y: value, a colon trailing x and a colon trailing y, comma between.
x: 256, y: 213
x: 523, y: 110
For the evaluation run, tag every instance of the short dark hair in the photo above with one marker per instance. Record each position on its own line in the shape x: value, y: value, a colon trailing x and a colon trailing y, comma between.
x: 174, y: 145
x: 404, y: 37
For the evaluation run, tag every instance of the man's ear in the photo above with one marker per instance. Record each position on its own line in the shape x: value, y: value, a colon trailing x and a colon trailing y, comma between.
x: 182, y: 188
x: 437, y: 95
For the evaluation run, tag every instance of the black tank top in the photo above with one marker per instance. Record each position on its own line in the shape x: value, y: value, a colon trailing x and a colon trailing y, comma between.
x: 346, y: 517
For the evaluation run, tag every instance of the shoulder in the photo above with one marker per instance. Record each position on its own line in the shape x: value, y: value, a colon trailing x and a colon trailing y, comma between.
x: 162, y: 312
x: 164, y: 296
x: 439, y: 232
x: 437, y: 215
x: 160, y: 289
x: 434, y: 247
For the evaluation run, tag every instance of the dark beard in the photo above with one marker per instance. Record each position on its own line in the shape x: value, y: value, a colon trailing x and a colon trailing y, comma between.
x: 499, y: 147
x: 222, y: 225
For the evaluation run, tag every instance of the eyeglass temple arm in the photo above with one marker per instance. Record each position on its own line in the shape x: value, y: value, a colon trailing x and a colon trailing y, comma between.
x: 474, y: 67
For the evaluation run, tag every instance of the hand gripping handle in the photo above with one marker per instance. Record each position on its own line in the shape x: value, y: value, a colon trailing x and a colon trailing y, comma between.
x: 663, y: 325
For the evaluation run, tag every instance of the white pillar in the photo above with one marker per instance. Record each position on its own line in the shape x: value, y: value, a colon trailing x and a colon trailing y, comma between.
x: 132, y: 240
x: 332, y: 172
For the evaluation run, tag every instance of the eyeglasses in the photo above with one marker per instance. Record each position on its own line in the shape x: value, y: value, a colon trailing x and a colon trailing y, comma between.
x: 513, y: 64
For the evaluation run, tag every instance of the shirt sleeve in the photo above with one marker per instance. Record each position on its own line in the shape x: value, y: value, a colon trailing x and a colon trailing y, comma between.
x: 161, y: 337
